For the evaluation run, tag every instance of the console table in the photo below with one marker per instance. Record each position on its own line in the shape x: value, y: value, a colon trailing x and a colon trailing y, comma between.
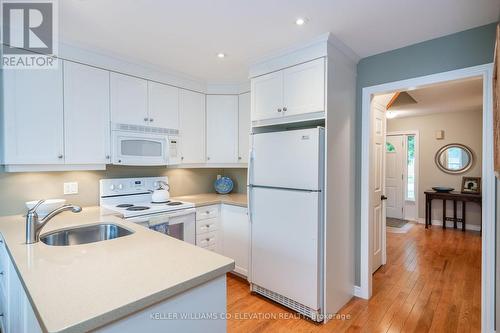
x: 453, y: 196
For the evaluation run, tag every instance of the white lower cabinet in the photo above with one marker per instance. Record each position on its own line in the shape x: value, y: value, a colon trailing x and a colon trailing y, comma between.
x: 235, y: 233
x: 225, y: 229
x: 17, y: 314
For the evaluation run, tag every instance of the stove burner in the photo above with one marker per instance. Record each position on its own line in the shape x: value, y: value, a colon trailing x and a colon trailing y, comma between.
x: 174, y: 203
x: 160, y: 202
x: 124, y: 205
x: 137, y: 208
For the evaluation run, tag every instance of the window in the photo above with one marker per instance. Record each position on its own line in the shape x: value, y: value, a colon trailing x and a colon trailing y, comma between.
x: 454, y: 159
x: 410, y: 158
x: 389, y: 147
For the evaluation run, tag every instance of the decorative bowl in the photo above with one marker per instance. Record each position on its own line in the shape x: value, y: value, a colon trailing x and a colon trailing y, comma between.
x: 443, y: 189
x: 223, y: 185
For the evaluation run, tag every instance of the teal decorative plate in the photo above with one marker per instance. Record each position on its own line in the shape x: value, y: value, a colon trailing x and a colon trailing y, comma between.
x: 223, y: 185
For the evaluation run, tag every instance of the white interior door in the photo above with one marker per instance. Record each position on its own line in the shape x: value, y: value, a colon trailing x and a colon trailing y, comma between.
x: 394, y: 175
x: 285, y: 243
x: 377, y: 183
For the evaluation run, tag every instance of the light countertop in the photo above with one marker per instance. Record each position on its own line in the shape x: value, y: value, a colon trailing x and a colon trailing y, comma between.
x: 79, y: 288
x: 205, y: 199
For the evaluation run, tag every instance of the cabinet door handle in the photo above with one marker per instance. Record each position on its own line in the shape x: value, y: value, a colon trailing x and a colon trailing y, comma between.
x: 182, y: 158
x: 108, y: 157
x: 146, y: 119
x: 279, y: 110
x: 239, y: 158
x: 60, y: 156
x: 208, y: 158
x: 284, y: 109
x: 151, y: 120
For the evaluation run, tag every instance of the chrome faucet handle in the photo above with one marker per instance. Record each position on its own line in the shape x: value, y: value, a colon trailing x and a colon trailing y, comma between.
x: 33, y: 210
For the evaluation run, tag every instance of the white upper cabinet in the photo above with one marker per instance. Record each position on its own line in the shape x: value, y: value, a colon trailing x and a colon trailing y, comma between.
x: 86, y: 114
x: 243, y: 127
x: 129, y: 100
x: 267, y: 96
x: 33, y: 116
x: 293, y: 91
x: 163, y: 105
x: 192, y: 126
x: 304, y: 88
x: 222, y: 129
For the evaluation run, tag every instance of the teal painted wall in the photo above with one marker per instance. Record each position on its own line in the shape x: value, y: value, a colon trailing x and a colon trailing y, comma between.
x: 460, y: 50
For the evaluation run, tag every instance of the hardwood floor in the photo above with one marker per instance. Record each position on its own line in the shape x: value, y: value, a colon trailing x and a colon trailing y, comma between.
x: 431, y: 283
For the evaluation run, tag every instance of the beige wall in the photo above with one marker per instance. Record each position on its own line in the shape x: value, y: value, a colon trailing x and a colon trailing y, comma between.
x: 459, y: 127
x: 17, y: 188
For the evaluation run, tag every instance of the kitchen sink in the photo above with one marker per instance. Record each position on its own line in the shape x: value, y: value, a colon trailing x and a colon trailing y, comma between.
x: 85, y: 234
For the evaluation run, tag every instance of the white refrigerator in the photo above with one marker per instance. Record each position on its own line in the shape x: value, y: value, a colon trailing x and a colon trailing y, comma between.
x: 285, y: 197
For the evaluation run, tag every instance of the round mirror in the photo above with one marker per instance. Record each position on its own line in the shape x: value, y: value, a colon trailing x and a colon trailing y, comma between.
x: 454, y: 158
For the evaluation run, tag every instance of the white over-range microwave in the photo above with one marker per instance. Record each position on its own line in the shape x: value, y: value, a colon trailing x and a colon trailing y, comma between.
x: 144, y: 145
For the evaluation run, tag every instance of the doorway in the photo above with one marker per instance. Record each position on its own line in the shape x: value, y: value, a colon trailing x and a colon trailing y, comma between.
x: 402, y: 174
x: 488, y: 183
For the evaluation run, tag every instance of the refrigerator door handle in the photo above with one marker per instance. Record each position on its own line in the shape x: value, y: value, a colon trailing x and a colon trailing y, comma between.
x: 250, y: 181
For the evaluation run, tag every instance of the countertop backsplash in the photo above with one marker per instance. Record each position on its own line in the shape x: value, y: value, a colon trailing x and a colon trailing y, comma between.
x: 17, y: 188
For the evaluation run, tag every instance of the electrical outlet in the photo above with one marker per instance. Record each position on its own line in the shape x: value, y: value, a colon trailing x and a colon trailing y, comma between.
x: 219, y: 176
x: 71, y: 188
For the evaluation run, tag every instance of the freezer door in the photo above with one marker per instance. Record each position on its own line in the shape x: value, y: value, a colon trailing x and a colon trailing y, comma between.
x: 289, y: 159
x: 285, y: 249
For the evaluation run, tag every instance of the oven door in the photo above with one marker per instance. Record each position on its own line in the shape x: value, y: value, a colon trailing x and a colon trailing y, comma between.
x: 183, y: 227
x: 180, y: 224
x: 130, y: 148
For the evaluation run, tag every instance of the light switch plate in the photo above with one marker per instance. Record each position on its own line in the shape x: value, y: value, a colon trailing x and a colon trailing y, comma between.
x: 71, y: 188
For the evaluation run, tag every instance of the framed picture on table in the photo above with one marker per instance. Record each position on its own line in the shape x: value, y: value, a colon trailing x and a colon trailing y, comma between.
x: 471, y: 185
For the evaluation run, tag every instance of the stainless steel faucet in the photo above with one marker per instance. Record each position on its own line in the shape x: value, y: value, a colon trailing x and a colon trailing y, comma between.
x: 34, y: 225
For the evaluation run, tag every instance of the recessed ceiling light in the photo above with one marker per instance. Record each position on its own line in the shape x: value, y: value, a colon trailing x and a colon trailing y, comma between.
x: 300, y: 21
x: 221, y: 55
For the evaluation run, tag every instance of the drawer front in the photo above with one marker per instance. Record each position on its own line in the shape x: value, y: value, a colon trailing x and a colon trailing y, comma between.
x: 207, y: 212
x: 207, y: 225
x: 206, y: 240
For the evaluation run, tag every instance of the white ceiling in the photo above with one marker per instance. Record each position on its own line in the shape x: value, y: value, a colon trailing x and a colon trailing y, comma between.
x: 453, y: 96
x: 186, y: 35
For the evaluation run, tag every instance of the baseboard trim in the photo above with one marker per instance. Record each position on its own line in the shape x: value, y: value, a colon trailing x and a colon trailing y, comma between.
x: 449, y: 224
x: 357, y: 291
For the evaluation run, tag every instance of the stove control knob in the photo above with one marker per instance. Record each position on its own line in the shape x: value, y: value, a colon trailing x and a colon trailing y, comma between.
x: 112, y: 187
x: 120, y: 186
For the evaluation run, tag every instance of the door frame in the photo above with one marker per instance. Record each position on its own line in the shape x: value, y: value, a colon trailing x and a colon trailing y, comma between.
x: 364, y: 290
x: 405, y: 166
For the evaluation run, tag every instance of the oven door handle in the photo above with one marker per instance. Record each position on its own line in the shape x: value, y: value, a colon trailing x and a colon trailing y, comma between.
x: 181, y: 212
